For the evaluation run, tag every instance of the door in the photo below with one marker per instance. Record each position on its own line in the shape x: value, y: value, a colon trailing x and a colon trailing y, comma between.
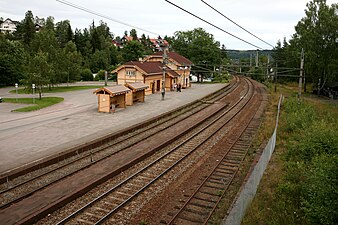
x: 158, y: 85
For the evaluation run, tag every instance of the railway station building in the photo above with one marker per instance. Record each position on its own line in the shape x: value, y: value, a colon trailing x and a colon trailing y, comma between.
x: 150, y: 72
x: 177, y: 63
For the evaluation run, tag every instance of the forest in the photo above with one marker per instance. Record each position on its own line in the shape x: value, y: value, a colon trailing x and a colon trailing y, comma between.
x: 55, y: 53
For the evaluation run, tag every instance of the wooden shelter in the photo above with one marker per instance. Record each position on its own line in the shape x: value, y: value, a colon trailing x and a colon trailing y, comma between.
x: 137, y: 92
x: 110, y: 98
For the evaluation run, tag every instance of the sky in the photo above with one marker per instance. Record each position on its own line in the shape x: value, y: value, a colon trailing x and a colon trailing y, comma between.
x: 270, y: 20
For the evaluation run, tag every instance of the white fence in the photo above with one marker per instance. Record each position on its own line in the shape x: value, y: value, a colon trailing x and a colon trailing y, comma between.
x: 248, y: 192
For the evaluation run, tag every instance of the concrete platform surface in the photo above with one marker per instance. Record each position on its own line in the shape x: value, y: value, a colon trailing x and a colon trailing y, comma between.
x: 27, y: 137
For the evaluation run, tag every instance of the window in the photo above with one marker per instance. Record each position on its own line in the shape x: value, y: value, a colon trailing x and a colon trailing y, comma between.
x: 130, y: 73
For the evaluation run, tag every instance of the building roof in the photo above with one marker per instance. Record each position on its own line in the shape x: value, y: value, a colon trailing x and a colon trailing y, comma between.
x: 137, y: 86
x: 174, y: 56
x: 113, y: 90
x: 147, y: 68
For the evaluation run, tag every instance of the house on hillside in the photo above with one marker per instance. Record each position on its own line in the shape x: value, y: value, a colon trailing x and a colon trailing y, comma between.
x: 149, y: 73
x: 8, y: 26
x: 175, y: 62
x: 156, y: 43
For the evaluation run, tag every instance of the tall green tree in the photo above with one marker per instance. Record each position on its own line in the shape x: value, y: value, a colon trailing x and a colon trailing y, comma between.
x: 72, y: 62
x: 132, y: 50
x: 63, y: 32
x: 198, y: 46
x: 317, y: 34
x: 28, y: 28
x: 37, y: 72
x: 133, y: 34
x: 12, y: 59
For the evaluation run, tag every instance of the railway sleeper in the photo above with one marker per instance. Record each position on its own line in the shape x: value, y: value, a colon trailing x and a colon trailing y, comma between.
x: 226, y: 169
x: 205, y: 198
x: 218, y: 177
x: 231, y: 161
x: 193, y: 213
x: 137, y: 183
x: 88, y: 218
x: 116, y: 199
x: 196, y: 208
x: 101, y: 209
x: 217, y: 182
x: 235, y: 155
x: 233, y: 158
x: 184, y: 219
x: 82, y: 221
x: 201, y: 203
x: 210, y: 190
x: 93, y: 215
x: 219, y: 173
x: 213, y: 186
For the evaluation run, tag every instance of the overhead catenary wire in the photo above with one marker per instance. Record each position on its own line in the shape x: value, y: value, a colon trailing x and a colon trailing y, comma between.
x: 236, y: 24
x: 104, y: 16
x: 213, y: 25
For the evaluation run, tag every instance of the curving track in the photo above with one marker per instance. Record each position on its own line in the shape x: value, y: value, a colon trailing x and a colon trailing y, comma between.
x: 174, y: 142
x: 23, y: 186
x: 114, y: 202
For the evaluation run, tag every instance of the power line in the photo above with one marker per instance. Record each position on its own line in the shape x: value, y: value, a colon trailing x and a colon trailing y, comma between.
x: 237, y: 24
x: 103, y: 16
x: 213, y: 25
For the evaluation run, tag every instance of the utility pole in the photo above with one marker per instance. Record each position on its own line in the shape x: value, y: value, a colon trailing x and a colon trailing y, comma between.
x: 256, y: 58
x: 267, y: 68
x: 105, y: 78
x: 276, y: 77
x: 164, y: 67
x: 301, y: 74
x: 250, y: 60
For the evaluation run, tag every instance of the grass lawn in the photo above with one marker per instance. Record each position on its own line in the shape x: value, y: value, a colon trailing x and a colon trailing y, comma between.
x: 56, y: 89
x: 39, y: 103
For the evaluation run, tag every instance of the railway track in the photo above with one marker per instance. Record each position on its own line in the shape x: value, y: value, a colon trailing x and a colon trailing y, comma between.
x: 111, y: 205
x: 23, y: 186
x: 200, y: 205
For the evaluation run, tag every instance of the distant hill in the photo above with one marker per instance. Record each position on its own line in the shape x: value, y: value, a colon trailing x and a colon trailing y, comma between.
x: 242, y: 54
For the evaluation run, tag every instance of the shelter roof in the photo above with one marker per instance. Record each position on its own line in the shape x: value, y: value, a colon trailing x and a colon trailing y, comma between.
x: 112, y: 91
x: 137, y: 86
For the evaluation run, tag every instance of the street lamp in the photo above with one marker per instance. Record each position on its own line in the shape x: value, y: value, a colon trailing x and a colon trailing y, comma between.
x: 16, y: 91
x: 33, y: 87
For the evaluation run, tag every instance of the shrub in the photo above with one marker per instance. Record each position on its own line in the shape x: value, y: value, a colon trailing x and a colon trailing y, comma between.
x: 86, y: 75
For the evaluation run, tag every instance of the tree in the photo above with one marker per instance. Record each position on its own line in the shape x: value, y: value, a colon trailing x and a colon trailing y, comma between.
x: 72, y: 62
x: 38, y: 71
x: 28, y: 28
x: 132, y: 50
x: 147, y: 45
x: 12, y: 59
x: 63, y: 32
x: 133, y: 34
x: 317, y: 34
x: 198, y: 46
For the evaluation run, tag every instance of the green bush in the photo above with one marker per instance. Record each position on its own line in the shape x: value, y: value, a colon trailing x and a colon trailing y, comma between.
x: 299, y: 115
x: 320, y: 199
x: 100, y: 75
x: 87, y: 75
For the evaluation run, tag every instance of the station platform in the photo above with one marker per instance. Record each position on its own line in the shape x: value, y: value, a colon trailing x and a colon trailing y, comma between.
x: 28, y: 137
